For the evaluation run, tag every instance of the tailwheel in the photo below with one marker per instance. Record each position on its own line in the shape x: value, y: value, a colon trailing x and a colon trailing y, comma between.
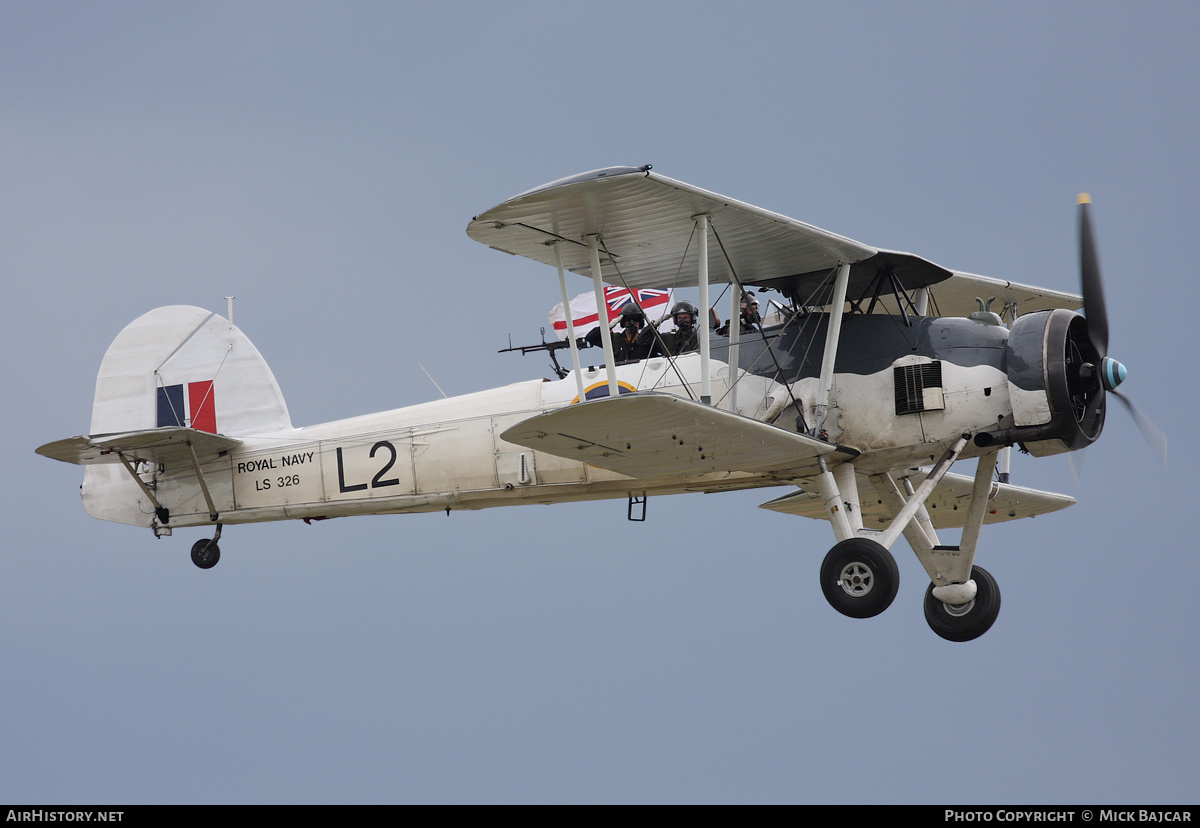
x: 859, y: 578
x: 206, y: 553
x: 965, y: 622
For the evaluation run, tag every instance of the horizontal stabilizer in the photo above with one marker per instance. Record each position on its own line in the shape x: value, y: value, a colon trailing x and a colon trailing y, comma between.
x: 947, y: 506
x: 168, y: 446
x: 657, y: 435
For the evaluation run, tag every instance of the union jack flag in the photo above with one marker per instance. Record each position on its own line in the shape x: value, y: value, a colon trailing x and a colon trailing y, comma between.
x: 583, y: 308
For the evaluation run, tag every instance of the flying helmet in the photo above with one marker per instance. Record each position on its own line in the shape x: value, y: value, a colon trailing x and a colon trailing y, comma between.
x: 684, y: 306
x: 632, y: 313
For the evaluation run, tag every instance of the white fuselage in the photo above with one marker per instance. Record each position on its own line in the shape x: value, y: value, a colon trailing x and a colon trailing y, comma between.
x: 448, y: 454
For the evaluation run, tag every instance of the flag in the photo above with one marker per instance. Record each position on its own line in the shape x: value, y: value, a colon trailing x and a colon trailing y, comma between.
x: 200, y: 412
x: 655, y: 303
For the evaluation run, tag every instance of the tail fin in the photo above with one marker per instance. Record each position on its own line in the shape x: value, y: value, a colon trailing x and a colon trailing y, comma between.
x: 185, y: 366
x: 176, y: 367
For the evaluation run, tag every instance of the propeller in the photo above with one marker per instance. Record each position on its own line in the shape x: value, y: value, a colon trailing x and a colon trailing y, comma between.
x: 1089, y: 275
x: 1153, y: 434
x: 1107, y: 371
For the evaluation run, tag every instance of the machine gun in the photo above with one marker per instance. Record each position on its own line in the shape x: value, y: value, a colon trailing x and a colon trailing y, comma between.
x: 549, y: 347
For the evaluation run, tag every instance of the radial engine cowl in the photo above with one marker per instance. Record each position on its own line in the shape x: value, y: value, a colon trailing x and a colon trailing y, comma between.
x: 1053, y: 383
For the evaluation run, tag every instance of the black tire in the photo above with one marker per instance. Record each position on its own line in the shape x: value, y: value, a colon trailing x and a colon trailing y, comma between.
x: 859, y: 578
x: 965, y: 622
x: 206, y: 553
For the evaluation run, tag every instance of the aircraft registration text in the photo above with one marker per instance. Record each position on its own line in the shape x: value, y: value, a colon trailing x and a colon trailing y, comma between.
x: 277, y: 478
x: 330, y: 471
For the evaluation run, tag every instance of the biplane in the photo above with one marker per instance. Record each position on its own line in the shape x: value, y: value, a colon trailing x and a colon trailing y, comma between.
x: 873, y: 374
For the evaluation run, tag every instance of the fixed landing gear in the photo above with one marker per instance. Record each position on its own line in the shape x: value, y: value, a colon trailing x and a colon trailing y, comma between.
x: 965, y: 622
x: 859, y: 578
x: 205, y: 552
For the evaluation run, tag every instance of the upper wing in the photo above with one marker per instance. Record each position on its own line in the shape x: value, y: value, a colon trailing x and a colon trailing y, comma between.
x: 947, y: 505
x: 169, y: 446
x: 646, y: 223
x: 648, y: 435
x: 956, y: 296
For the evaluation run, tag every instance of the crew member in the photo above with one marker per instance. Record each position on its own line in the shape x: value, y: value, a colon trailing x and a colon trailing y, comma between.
x: 749, y: 315
x: 628, y: 345
x: 680, y: 340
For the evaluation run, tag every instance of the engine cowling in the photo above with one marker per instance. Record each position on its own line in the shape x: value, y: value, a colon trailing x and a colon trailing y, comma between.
x: 1054, y: 384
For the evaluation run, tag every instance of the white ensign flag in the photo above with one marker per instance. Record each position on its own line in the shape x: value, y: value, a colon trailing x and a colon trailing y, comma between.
x: 583, y: 308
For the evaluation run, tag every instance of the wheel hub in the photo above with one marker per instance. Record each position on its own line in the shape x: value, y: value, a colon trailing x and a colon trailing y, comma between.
x: 856, y: 579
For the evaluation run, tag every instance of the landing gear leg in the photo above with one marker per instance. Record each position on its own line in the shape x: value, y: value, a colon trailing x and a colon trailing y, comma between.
x: 859, y: 578
x: 965, y: 622
x: 205, y: 552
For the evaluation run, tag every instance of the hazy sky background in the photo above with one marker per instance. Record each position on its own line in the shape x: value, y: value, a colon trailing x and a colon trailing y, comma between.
x: 321, y: 161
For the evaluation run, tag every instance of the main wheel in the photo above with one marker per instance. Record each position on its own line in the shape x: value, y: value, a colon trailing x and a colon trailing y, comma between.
x: 859, y: 578
x: 965, y: 622
x: 205, y: 553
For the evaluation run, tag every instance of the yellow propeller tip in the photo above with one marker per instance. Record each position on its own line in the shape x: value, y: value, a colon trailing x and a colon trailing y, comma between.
x: 1084, y: 198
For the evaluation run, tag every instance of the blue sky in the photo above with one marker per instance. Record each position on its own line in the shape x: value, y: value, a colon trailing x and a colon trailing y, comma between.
x: 321, y: 162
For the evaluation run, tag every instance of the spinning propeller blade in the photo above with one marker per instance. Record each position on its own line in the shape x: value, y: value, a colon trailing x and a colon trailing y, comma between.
x: 1153, y: 434
x: 1093, y: 286
x: 1110, y: 373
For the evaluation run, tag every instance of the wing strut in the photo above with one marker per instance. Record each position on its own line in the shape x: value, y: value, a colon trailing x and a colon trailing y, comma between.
x: 831, y: 346
x: 702, y: 323
x: 562, y: 284
x: 735, y: 337
x: 735, y: 331
x: 610, y: 366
